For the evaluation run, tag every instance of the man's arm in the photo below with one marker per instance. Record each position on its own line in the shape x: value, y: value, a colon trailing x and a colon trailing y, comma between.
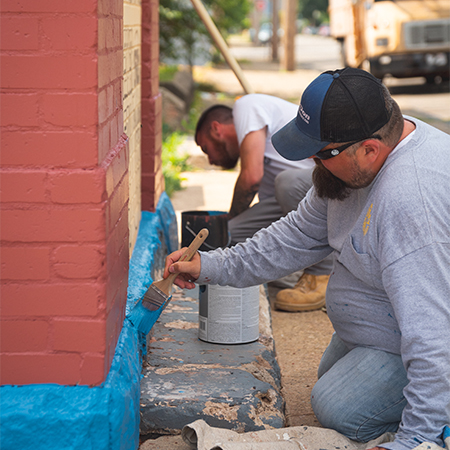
x: 251, y: 153
x: 418, y: 285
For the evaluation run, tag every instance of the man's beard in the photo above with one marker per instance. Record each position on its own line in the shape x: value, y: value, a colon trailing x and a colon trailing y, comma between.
x: 329, y: 186
x: 226, y: 161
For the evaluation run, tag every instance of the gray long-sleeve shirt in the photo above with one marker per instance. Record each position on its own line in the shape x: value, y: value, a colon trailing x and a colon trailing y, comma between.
x: 390, y: 285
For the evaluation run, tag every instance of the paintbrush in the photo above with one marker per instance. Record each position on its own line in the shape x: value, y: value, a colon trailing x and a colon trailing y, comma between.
x: 147, y: 310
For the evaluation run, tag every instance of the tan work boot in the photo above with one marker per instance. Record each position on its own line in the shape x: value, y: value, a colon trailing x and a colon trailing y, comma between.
x: 307, y: 295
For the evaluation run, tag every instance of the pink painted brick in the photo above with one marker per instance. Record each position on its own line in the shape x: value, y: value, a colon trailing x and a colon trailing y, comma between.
x: 118, y: 237
x: 76, y: 261
x: 79, y: 186
x: 114, y: 323
x: 70, y: 109
x: 19, y: 33
x: 110, y: 67
x: 25, y: 263
x: 41, y: 300
x: 49, y: 72
x: 64, y: 32
x: 117, y: 274
x: 48, y: 6
x: 79, y: 335
x: 49, y: 149
x: 93, y: 370
x: 19, y: 110
x: 23, y: 186
x: 110, y: 7
x: 24, y: 335
x: 68, y: 225
x: 109, y: 33
x: 116, y: 204
x: 28, y: 368
x: 105, y: 103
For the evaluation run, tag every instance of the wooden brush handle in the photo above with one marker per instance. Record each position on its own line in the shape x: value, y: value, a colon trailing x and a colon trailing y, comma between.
x: 190, y: 251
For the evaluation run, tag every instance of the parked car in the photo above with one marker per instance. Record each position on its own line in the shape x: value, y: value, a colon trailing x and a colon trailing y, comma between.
x: 324, y: 30
x: 265, y: 33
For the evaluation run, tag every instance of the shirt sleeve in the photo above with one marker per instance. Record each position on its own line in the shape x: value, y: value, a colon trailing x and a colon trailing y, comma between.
x: 248, y: 116
x: 294, y: 242
x: 421, y: 302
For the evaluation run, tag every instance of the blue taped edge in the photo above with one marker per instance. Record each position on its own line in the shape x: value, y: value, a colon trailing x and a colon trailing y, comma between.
x: 106, y: 417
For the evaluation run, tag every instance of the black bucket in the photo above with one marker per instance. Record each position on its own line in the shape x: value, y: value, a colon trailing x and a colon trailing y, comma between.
x: 216, y: 222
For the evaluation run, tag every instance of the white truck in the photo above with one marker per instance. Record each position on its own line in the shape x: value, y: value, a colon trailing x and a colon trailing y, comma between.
x: 403, y: 38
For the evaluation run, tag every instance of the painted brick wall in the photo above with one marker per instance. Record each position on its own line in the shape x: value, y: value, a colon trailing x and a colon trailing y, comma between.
x: 132, y: 14
x: 151, y: 137
x: 64, y: 188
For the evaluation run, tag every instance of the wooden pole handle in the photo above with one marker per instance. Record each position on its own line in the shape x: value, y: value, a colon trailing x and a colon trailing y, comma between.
x: 220, y: 42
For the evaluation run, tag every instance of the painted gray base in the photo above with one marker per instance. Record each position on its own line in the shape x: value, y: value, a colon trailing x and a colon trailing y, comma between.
x: 185, y: 379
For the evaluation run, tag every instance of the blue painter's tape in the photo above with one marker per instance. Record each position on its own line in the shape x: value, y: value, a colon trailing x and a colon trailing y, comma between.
x: 106, y: 417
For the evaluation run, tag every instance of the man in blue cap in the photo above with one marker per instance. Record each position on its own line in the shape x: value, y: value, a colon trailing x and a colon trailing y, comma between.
x: 380, y: 205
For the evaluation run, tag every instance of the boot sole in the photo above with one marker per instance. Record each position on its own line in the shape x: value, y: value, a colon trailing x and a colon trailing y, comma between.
x: 298, y: 308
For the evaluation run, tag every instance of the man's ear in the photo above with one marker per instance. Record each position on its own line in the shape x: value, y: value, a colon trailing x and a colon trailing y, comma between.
x: 216, y: 129
x: 371, y: 148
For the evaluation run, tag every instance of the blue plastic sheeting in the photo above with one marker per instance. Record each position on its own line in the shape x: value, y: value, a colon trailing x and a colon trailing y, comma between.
x: 106, y: 417
x: 55, y: 417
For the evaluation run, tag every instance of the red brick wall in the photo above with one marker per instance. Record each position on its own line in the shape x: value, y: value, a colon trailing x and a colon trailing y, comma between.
x: 152, y: 176
x: 64, y: 188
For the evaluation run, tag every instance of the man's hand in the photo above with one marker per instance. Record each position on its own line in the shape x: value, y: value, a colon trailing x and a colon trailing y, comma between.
x: 188, y: 271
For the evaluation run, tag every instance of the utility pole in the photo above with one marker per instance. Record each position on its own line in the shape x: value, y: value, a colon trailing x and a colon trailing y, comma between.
x: 290, y: 18
x: 275, y: 26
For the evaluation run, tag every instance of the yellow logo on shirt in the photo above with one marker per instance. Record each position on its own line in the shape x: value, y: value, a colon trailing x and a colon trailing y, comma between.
x: 367, y: 220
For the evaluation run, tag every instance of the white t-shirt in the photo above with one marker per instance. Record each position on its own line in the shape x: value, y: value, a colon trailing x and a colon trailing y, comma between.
x: 255, y: 111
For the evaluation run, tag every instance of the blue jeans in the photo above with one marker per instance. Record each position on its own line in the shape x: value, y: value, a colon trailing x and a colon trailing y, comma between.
x: 360, y: 391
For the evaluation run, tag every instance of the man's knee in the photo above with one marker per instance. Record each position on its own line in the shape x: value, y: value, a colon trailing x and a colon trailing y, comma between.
x: 361, y: 396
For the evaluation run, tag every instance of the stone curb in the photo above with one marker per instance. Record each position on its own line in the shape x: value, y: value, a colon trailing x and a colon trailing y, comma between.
x: 185, y: 379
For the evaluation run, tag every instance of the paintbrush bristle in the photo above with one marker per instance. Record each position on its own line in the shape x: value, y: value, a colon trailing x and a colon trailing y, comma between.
x: 154, y: 298
x: 142, y: 318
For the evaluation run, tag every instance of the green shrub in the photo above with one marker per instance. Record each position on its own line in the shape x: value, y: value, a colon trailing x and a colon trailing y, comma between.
x: 172, y: 162
x: 167, y: 72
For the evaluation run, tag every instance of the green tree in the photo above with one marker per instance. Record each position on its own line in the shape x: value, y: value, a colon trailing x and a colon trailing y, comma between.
x: 306, y: 9
x: 182, y: 31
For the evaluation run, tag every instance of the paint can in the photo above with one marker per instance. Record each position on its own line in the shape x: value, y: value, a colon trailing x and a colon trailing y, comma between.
x: 228, y: 315
x: 215, y: 221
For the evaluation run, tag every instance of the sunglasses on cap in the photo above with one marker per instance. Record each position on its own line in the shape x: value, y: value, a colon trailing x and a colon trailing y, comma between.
x: 332, y: 152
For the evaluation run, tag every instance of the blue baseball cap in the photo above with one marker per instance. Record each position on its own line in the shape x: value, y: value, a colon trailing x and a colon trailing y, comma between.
x: 339, y: 106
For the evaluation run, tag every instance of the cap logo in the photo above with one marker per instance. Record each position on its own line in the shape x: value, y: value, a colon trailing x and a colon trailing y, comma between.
x: 306, y: 118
